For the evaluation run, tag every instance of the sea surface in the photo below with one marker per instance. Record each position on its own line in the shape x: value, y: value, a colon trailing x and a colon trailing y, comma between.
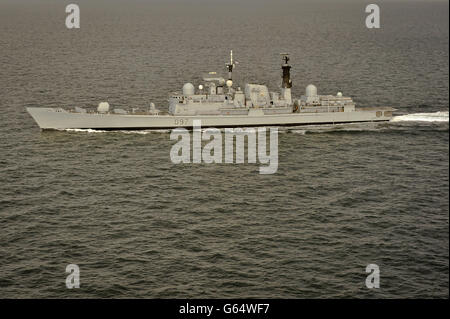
x: 139, y: 226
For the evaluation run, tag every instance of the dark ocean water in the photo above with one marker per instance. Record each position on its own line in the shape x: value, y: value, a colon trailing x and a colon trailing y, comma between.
x: 139, y: 226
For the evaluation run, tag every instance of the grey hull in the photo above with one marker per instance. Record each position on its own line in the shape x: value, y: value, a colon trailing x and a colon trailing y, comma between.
x: 59, y: 119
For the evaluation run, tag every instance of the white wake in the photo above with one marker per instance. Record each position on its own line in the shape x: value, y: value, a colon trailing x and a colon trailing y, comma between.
x: 82, y: 130
x: 141, y: 132
x: 422, y: 117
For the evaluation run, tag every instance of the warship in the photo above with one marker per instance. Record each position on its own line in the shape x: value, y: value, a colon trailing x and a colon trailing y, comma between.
x: 218, y: 102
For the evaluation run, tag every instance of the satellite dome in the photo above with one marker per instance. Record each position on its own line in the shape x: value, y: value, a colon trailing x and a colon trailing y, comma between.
x: 188, y: 89
x: 311, y: 90
x: 103, y: 107
x: 229, y: 83
x: 339, y: 94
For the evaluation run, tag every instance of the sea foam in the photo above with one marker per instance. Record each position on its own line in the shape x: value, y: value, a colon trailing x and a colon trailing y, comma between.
x: 422, y: 117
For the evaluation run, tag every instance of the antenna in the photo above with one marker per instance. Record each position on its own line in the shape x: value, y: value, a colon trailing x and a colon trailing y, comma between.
x: 285, y: 57
x: 286, y: 79
x: 230, y: 66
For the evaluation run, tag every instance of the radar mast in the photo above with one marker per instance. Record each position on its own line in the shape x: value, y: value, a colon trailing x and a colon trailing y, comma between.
x: 230, y: 66
x: 286, y: 82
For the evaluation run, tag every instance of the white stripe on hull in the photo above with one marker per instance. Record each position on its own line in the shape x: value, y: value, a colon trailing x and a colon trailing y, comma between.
x: 49, y: 118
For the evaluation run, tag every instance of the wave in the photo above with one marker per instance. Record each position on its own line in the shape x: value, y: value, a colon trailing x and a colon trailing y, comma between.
x: 141, y: 132
x: 83, y: 130
x: 301, y: 132
x: 422, y: 117
x: 145, y: 132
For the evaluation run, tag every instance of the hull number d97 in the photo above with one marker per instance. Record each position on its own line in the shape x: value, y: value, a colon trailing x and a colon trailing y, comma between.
x: 181, y: 122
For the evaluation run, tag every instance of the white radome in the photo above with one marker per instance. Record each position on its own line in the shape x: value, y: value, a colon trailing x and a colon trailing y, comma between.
x: 188, y: 89
x: 339, y: 94
x: 311, y: 90
x: 229, y: 83
x: 103, y: 107
x: 200, y: 87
